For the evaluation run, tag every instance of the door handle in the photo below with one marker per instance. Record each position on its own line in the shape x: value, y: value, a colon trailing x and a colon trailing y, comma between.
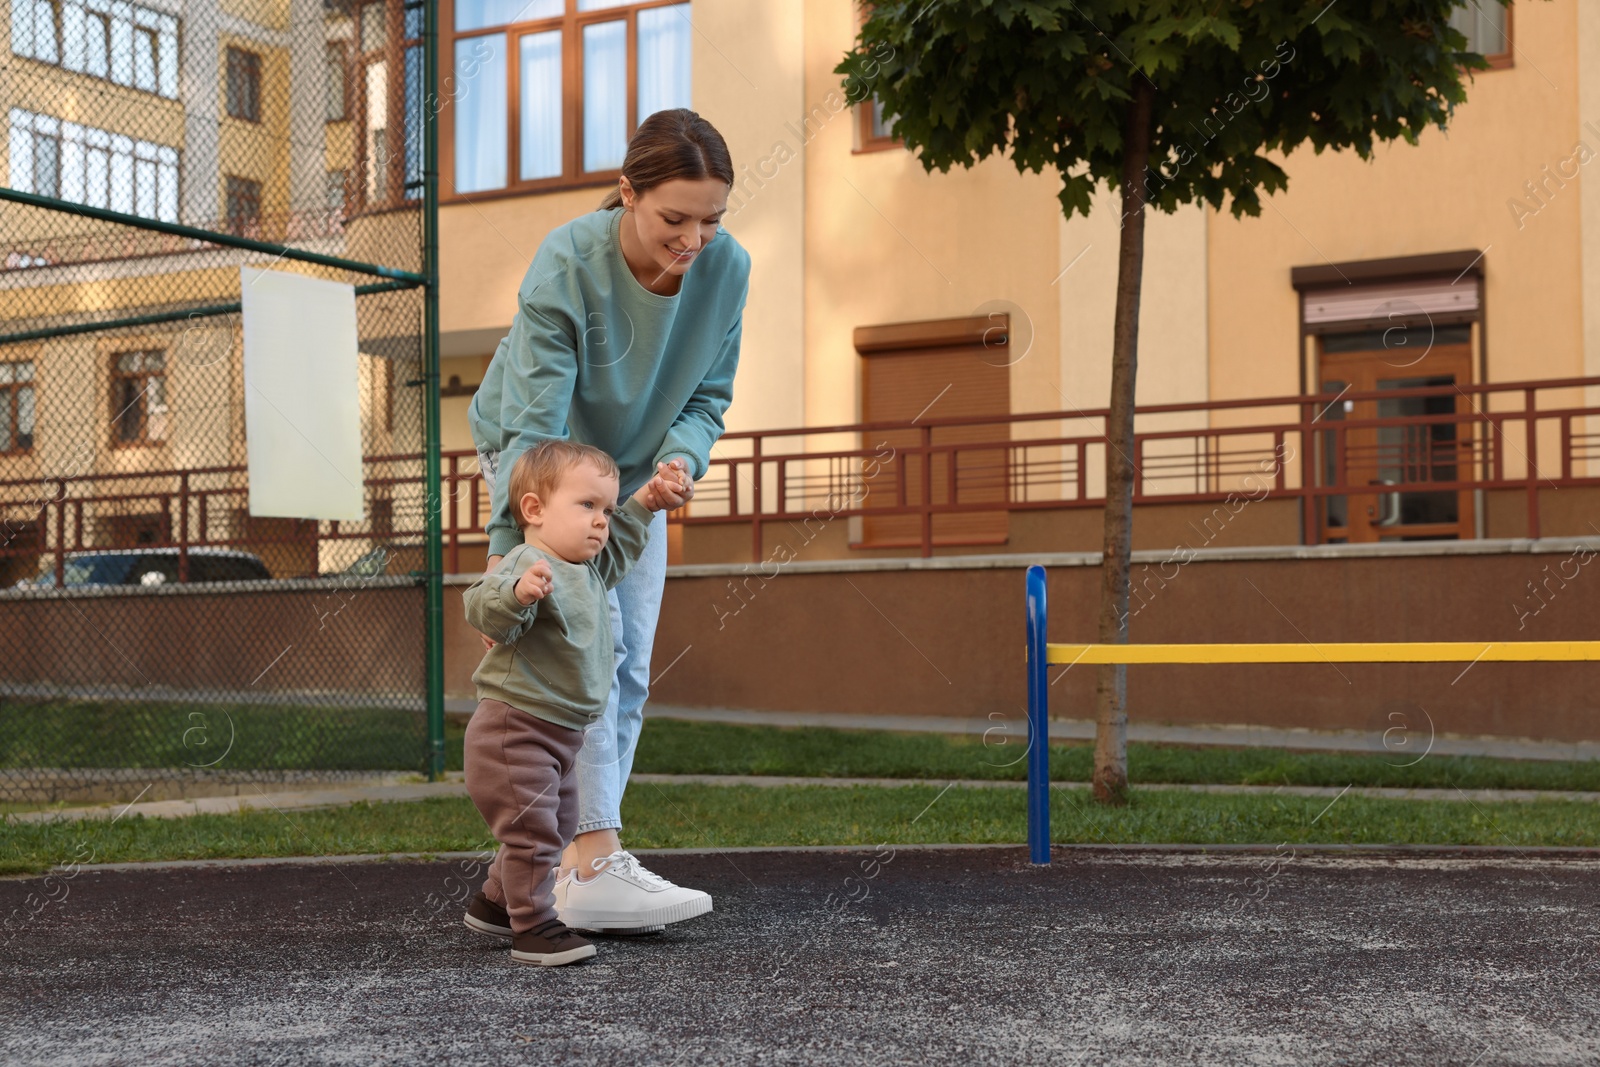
x: 1387, y: 511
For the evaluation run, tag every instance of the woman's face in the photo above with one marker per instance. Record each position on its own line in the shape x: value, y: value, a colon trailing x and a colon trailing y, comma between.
x: 676, y: 219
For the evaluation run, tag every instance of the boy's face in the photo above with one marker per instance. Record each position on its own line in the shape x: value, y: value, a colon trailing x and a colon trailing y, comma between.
x: 575, y: 522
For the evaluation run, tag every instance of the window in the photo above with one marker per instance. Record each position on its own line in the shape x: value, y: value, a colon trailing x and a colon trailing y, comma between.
x: 243, y: 206
x: 138, y: 398
x: 547, y: 92
x: 876, y: 127
x: 110, y: 39
x: 1487, y: 26
x: 387, y: 68
x: 86, y: 165
x: 873, y: 130
x: 244, y: 85
x: 337, y: 180
x: 336, y: 75
x: 16, y: 407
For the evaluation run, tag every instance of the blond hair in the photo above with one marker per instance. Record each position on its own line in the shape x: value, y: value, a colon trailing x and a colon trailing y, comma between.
x: 540, y: 469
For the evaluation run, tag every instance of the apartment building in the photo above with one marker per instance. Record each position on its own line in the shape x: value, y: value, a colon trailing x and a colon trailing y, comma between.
x: 276, y: 121
x: 959, y: 315
x: 879, y: 290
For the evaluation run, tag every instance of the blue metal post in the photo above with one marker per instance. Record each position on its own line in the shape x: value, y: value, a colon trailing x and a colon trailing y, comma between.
x: 1038, y: 722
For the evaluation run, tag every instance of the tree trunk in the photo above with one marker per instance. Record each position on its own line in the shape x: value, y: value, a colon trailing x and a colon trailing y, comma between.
x: 1111, y: 688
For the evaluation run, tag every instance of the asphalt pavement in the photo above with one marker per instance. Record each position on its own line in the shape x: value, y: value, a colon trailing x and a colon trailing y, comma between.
x: 921, y: 956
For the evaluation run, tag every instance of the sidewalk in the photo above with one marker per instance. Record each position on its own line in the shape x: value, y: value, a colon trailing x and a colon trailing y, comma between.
x: 1154, y: 733
x: 453, y: 786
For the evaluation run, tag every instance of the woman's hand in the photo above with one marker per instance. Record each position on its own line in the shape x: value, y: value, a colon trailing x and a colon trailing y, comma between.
x: 493, y: 561
x: 671, y: 488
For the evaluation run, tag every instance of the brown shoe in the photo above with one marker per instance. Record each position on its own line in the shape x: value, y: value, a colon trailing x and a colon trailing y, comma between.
x: 550, y: 944
x: 486, y: 917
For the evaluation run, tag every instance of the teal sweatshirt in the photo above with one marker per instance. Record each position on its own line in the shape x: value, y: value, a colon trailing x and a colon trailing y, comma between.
x: 555, y: 658
x: 595, y: 356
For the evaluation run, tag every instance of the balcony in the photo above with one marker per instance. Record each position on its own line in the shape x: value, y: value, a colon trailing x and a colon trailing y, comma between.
x: 1516, y: 459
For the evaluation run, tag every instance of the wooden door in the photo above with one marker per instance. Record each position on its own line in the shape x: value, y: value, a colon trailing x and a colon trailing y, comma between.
x: 927, y: 384
x: 1376, y: 456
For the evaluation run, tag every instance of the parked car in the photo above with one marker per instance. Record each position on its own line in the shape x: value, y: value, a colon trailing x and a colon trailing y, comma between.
x: 150, y: 566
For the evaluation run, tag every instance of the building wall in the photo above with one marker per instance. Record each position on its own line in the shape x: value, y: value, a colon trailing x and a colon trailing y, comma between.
x: 888, y: 242
x: 1449, y: 192
x: 947, y: 639
x: 747, y: 82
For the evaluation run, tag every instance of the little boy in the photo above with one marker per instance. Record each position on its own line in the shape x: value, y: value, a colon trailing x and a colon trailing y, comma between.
x: 547, y: 677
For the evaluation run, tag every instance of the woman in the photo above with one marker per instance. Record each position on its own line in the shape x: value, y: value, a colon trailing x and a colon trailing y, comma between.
x: 626, y: 337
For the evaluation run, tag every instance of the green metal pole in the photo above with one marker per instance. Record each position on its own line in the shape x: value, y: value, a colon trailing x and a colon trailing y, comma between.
x: 210, y: 237
x: 434, y: 549
x: 157, y: 317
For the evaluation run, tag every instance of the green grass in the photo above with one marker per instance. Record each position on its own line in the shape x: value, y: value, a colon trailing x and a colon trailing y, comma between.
x: 108, y: 734
x: 262, y: 737
x: 678, y: 747
x: 675, y: 816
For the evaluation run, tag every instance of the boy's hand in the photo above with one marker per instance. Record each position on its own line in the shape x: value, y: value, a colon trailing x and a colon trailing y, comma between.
x: 534, y: 584
x: 671, y: 488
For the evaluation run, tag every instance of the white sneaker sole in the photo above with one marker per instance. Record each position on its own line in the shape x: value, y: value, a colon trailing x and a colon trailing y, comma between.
x: 641, y: 921
x: 553, y: 959
x: 487, y: 929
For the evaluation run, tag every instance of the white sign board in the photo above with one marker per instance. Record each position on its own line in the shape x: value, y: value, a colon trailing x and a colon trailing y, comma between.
x: 302, y: 396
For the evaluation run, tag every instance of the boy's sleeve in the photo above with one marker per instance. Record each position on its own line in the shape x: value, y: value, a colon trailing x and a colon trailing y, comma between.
x: 536, y: 393
x: 630, y: 531
x: 699, y: 425
x: 493, y: 608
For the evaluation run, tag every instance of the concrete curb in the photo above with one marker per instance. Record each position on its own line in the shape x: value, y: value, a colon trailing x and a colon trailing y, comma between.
x: 1466, y: 853
x: 1014, y: 730
x: 388, y: 794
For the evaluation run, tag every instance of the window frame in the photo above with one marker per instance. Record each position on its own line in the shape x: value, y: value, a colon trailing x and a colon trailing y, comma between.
x: 236, y: 187
x: 95, y: 139
x: 571, y: 24
x: 117, y: 375
x: 1505, y: 60
x: 866, y: 139
x: 9, y: 396
x: 250, y: 64
x: 105, y: 18
x: 357, y: 60
x: 343, y: 48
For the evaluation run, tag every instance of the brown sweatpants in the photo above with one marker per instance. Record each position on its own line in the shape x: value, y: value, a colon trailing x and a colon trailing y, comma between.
x: 519, y: 774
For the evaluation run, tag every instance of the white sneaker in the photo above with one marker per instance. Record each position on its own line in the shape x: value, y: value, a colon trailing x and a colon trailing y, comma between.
x: 563, y: 880
x: 625, y: 896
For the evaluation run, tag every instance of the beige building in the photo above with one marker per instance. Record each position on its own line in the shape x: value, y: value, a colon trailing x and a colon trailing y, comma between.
x: 1461, y: 262
x: 880, y: 294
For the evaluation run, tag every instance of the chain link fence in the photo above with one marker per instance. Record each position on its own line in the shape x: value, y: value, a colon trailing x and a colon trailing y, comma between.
x: 155, y: 637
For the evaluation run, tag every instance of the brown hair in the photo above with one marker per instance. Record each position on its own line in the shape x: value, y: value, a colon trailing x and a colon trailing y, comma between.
x: 540, y: 469
x: 672, y: 144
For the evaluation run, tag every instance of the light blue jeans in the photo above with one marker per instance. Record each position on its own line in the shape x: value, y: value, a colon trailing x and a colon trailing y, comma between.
x: 606, y: 758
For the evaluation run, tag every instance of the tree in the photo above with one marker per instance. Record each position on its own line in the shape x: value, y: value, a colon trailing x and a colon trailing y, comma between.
x: 1170, y: 102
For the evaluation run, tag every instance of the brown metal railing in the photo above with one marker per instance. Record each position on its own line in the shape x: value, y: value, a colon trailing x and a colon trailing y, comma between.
x: 1295, y: 447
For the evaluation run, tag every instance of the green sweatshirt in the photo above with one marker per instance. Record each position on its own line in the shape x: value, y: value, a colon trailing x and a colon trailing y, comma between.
x: 554, y: 658
x: 595, y: 356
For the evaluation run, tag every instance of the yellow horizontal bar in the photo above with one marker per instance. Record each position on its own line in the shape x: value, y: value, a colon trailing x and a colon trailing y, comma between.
x: 1349, y: 652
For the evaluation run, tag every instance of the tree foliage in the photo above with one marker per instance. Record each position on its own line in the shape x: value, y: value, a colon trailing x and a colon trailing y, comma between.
x: 1048, y: 82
